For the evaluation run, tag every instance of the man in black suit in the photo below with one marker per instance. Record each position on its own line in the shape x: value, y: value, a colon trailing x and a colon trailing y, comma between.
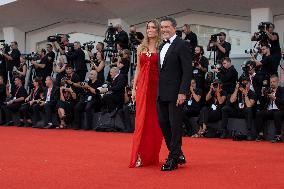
x: 175, y: 76
x: 274, y: 110
x: 48, y: 103
x: 114, y: 97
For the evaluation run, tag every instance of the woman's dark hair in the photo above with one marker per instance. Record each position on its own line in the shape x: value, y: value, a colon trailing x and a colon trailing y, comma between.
x: 201, y: 49
x: 39, y: 81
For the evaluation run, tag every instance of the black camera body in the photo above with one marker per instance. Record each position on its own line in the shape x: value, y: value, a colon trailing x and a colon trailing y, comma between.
x: 89, y: 46
x: 54, y: 38
x: 109, y: 35
x: 6, y: 48
x: 70, y: 47
x: 263, y: 26
x: 214, y: 37
x: 33, y: 56
x: 242, y: 85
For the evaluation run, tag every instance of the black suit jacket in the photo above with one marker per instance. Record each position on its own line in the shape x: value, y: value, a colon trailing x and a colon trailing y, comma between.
x: 54, y: 96
x: 280, y: 98
x: 176, y: 71
x: 117, y: 87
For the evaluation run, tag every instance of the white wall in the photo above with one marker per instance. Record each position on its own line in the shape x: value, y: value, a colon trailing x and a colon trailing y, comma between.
x: 212, y: 21
x: 1, y: 35
x: 279, y: 28
x: 33, y: 38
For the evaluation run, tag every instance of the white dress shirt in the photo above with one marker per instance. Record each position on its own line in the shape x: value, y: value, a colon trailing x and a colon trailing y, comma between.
x: 165, y: 49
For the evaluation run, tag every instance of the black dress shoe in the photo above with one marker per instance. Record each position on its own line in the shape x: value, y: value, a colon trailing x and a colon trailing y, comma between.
x: 276, y: 139
x: 259, y: 138
x: 223, y: 134
x: 28, y: 124
x: 21, y: 124
x: 10, y: 123
x: 181, y: 160
x: 49, y: 126
x: 249, y: 137
x: 170, y: 165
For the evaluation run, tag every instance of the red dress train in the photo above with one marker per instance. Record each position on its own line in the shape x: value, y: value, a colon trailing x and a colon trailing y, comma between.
x: 147, y: 138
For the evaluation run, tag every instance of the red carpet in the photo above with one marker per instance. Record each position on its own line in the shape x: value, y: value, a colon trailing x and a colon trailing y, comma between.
x: 57, y: 159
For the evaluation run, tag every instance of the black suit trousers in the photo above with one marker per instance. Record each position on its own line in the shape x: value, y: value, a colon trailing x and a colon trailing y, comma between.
x: 171, y: 118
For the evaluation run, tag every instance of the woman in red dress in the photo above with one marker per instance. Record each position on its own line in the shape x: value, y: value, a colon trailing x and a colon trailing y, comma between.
x: 148, y: 136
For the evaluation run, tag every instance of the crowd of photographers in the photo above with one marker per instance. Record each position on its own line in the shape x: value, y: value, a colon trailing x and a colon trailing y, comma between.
x: 68, y: 79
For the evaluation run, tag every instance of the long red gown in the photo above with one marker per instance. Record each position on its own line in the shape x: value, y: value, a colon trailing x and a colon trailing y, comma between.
x: 147, y: 138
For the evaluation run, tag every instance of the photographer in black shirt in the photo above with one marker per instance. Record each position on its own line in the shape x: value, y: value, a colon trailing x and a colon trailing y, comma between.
x: 135, y: 38
x: 272, y: 39
x: 269, y: 63
x: 221, y: 46
x: 241, y: 105
x: 192, y: 106
x: 228, y: 75
x: 200, y: 66
x: 190, y: 37
x: 121, y: 37
x: 256, y: 80
x: 89, y: 102
x: 51, y: 57
x: 78, y: 58
x: 40, y: 65
x: 13, y: 58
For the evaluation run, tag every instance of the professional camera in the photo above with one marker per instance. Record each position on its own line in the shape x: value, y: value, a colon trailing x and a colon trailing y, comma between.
x: 242, y: 85
x: 5, y: 47
x: 70, y: 47
x: 215, y: 85
x: 251, y: 51
x: 32, y: 56
x: 264, y: 26
x: 262, y: 36
x: 214, y: 37
x: 109, y: 35
x: 216, y: 66
x: 89, y: 46
x: 54, y: 38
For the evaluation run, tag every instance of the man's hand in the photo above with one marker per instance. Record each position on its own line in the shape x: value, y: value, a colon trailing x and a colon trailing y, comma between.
x: 272, y: 97
x: 103, y: 90
x: 181, y: 99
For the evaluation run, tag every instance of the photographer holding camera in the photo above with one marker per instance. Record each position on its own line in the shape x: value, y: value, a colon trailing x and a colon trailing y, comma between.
x: 98, y: 64
x: 221, y: 46
x: 78, y: 59
x: 59, y: 69
x: 228, y: 75
x: 256, y: 80
x: 21, y: 71
x: 200, y: 66
x: 274, y: 110
x: 39, y: 64
x: 50, y: 57
x: 65, y: 105
x: 267, y: 36
x: 90, y: 101
x: 242, y: 103
x: 135, y: 38
x: 215, y: 100
x: 59, y: 43
x: 190, y: 37
x: 12, y: 58
x: 269, y: 63
x: 121, y: 37
x: 123, y: 63
x: 16, y: 97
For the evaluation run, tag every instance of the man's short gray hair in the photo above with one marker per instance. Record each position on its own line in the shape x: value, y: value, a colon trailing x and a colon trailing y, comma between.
x: 171, y: 19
